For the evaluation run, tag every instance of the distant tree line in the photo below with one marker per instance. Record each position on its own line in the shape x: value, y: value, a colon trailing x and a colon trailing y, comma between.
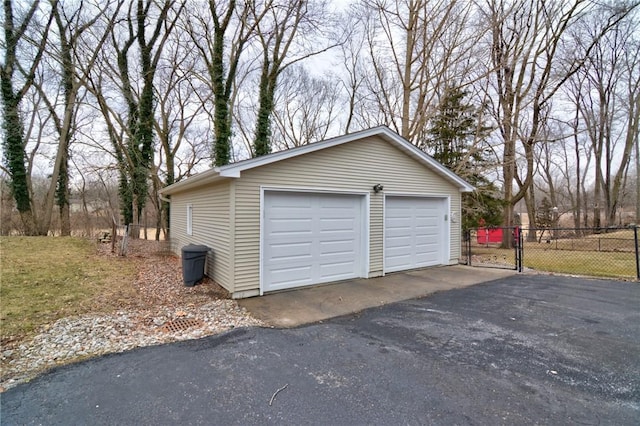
x: 529, y: 101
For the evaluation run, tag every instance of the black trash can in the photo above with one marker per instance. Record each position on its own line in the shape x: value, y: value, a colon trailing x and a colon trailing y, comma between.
x: 193, y: 259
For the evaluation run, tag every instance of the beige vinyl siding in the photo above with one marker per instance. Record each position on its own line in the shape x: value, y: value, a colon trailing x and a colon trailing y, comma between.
x: 211, y: 227
x: 356, y: 166
x: 376, y: 232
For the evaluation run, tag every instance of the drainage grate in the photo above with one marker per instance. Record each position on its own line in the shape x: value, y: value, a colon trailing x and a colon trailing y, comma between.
x: 180, y: 324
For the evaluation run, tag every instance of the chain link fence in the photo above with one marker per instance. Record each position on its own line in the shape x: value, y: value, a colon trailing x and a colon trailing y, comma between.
x: 610, y: 252
x: 488, y: 247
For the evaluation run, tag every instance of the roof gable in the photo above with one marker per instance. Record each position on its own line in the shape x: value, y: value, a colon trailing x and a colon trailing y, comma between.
x: 235, y: 170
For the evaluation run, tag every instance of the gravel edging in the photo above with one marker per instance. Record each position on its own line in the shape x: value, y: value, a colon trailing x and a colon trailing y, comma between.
x: 76, y: 338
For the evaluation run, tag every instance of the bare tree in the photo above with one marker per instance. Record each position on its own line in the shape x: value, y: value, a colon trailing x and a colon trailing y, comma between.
x: 147, y: 27
x: 221, y: 34
x: 631, y: 106
x: 286, y: 34
x: 179, y: 109
x: 416, y: 49
x: 305, y: 108
x: 17, y: 73
x: 610, y: 110
x: 353, y: 63
x: 526, y: 37
x: 78, y: 41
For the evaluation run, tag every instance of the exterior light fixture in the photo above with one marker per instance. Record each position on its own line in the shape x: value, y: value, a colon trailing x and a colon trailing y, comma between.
x: 377, y: 188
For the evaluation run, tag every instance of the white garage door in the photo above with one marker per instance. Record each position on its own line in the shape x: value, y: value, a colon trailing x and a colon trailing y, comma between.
x: 311, y: 238
x: 414, y: 232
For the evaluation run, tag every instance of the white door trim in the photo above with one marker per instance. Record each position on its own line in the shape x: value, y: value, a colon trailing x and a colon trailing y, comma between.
x: 446, y: 240
x: 365, y: 231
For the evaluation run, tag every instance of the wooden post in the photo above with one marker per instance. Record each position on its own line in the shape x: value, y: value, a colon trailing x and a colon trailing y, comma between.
x: 114, y: 234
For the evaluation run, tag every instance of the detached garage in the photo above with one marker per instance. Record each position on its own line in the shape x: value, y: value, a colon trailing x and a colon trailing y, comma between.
x: 355, y: 206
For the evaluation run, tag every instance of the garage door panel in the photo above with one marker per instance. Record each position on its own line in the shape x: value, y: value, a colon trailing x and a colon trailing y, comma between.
x: 399, y: 229
x: 335, y: 208
x: 398, y: 242
x: 426, y: 238
x: 425, y: 231
x: 283, y: 200
x: 290, y: 229
x: 414, y: 232
x: 286, y: 276
x: 393, y: 261
x: 311, y: 238
x: 337, y: 247
x: 398, y: 233
x: 337, y: 225
x: 289, y: 208
x: 290, y: 251
x: 334, y: 271
x: 398, y: 254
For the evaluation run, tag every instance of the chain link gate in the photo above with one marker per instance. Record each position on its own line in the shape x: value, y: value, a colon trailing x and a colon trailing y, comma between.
x: 598, y: 252
x: 493, y: 247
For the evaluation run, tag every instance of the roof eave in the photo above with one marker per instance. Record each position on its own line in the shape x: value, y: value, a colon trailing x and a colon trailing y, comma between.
x: 199, y: 179
x: 236, y: 169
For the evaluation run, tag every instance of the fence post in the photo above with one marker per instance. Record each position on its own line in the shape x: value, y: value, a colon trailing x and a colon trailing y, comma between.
x: 521, y: 251
x: 635, y: 240
x: 517, y: 246
x: 514, y: 239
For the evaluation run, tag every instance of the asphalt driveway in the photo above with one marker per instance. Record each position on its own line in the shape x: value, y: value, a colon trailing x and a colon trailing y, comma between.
x: 520, y: 350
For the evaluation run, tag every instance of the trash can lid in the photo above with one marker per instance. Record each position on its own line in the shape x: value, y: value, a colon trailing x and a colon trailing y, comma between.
x: 195, y: 248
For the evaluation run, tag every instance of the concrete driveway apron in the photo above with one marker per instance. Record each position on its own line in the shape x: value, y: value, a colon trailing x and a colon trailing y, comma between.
x: 311, y: 304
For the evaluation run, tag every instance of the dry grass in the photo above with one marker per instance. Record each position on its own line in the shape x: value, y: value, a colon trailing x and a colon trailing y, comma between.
x: 597, y: 264
x: 614, y: 264
x: 619, y: 240
x: 47, y: 278
x: 44, y: 279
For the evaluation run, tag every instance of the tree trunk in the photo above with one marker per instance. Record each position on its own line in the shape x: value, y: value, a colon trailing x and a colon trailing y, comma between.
x: 596, y: 209
x: 637, y: 144
x: 222, y: 125
x: 134, y: 231
x: 577, y: 210
x: 65, y: 220
x: 62, y: 193
x: 15, y: 155
x: 268, y: 80
x: 13, y: 140
x: 585, y: 208
x: 598, y: 187
x: 158, y: 223
x: 406, y: 77
x: 530, y: 202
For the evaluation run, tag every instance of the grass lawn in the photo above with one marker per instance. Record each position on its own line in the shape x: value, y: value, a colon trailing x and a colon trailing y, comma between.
x: 590, y: 263
x: 43, y: 279
x: 597, y: 264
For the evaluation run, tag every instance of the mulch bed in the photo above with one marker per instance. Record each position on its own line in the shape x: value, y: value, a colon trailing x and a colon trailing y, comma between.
x: 159, y: 276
